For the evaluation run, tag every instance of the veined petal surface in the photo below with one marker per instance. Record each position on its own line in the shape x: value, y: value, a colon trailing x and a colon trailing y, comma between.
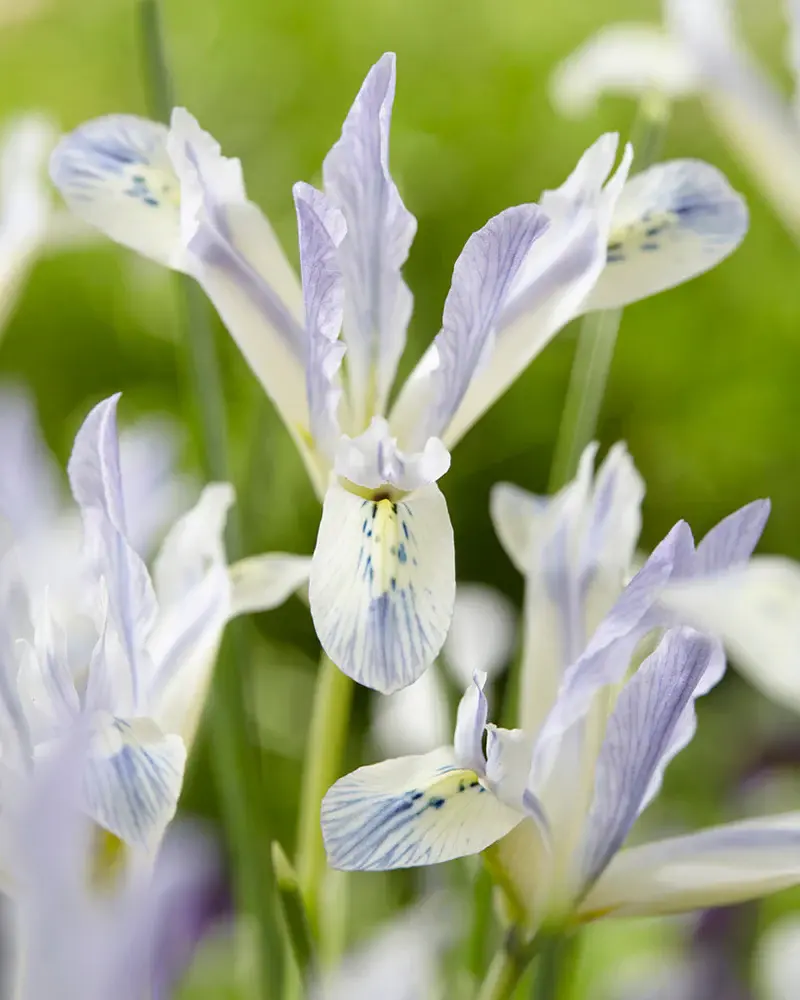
x: 380, y: 231
x: 672, y: 222
x: 133, y: 779
x: 716, y: 867
x: 411, y: 811
x: 382, y: 584
x: 116, y: 174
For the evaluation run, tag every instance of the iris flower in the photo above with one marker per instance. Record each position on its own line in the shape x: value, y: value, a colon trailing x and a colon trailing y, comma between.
x: 699, y: 52
x: 134, y: 657
x: 553, y: 802
x: 326, y: 350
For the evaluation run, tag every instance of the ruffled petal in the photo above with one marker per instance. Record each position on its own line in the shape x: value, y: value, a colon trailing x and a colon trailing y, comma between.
x: 133, y: 779
x: 639, y: 734
x: 115, y: 173
x: 321, y: 229
x: 261, y: 583
x: 373, y: 460
x: 626, y: 59
x: 380, y: 231
x: 716, y: 867
x: 382, y: 584
x: 411, y: 811
x: 473, y: 711
x: 671, y: 223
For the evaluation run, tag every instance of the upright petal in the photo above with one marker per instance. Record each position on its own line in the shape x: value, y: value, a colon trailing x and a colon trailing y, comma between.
x: 234, y: 254
x: 95, y: 477
x: 639, y: 733
x: 471, y: 718
x: 731, y: 542
x: 516, y: 518
x: 116, y: 174
x: 411, y: 811
x: 672, y: 222
x: 625, y: 59
x: 755, y: 609
x: 133, y: 779
x: 380, y: 231
x: 483, y: 278
x: 553, y: 283
x: 382, y: 584
x: 717, y: 867
x: 321, y: 229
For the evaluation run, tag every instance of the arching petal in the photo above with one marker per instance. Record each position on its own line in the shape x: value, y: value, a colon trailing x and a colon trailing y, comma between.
x: 672, y: 222
x: 639, y: 734
x: 380, y: 231
x: 731, y: 542
x: 115, y: 173
x: 382, y: 584
x: 321, y: 229
x: 261, y: 583
x: 133, y: 779
x: 626, y: 59
x: 755, y: 609
x: 234, y: 254
x: 409, y: 812
x: 516, y: 514
x: 717, y: 867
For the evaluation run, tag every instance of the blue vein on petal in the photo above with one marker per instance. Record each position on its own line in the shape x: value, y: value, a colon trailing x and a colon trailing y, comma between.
x: 390, y: 815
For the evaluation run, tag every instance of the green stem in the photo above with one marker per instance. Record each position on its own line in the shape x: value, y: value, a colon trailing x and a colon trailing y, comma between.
x: 234, y: 757
x: 507, y: 968
x: 554, y: 970
x: 327, y: 737
x: 598, y: 334
x: 294, y: 914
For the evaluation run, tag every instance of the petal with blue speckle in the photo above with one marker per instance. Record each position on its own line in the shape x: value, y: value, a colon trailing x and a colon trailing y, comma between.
x: 115, y: 173
x: 411, y: 811
x: 672, y: 222
x: 382, y: 585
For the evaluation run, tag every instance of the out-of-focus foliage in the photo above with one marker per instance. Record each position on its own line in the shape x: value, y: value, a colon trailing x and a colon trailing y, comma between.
x: 704, y: 382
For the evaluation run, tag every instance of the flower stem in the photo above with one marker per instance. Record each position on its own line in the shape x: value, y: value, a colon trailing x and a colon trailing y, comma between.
x: 327, y: 736
x: 234, y: 756
x: 507, y: 968
x: 555, y: 964
x: 598, y: 334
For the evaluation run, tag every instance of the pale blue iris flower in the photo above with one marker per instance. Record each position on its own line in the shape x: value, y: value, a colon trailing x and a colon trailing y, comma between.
x: 700, y: 52
x: 130, y: 653
x: 556, y: 799
x: 327, y: 349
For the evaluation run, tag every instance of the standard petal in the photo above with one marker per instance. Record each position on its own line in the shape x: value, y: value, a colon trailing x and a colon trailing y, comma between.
x: 627, y: 59
x: 558, y: 274
x: 717, y: 867
x: 115, y: 173
x: 133, y: 779
x: 261, y: 583
x: 639, y: 733
x: 755, y: 609
x: 382, y: 584
x: 482, y: 633
x: 471, y: 718
x: 235, y: 255
x: 731, y: 542
x: 380, y: 231
x: 321, y: 229
x: 508, y: 763
x: 411, y: 811
x: 483, y: 278
x: 672, y: 222
x: 516, y: 516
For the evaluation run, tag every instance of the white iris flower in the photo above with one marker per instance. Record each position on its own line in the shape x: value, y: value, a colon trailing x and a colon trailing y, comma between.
x: 698, y: 52
x: 130, y: 654
x: 383, y: 576
x: 556, y: 799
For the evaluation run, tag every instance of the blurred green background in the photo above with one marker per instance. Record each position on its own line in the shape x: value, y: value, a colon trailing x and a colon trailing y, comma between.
x: 704, y: 386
